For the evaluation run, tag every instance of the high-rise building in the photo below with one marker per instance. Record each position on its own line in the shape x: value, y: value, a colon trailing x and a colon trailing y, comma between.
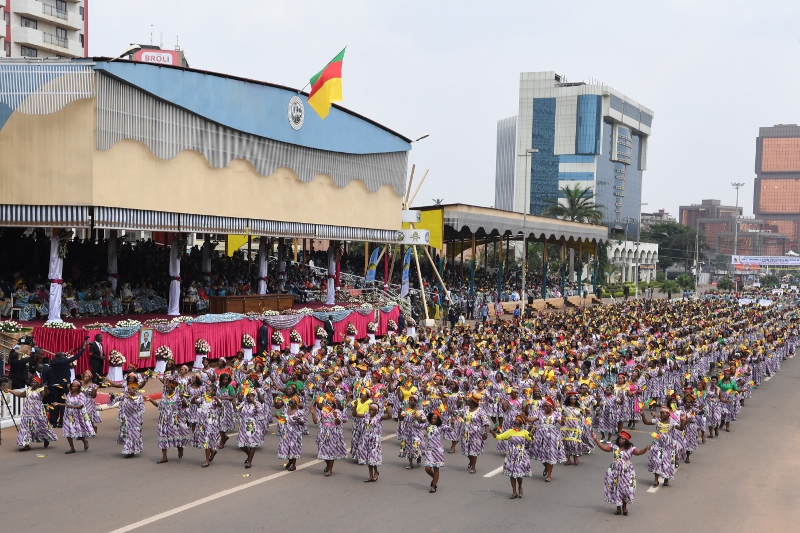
x: 47, y: 28
x: 655, y: 217
x: 776, y: 195
x: 586, y: 134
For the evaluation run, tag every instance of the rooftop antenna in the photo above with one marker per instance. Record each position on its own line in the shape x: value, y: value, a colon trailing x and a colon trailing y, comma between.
x: 161, y: 41
x: 177, y: 43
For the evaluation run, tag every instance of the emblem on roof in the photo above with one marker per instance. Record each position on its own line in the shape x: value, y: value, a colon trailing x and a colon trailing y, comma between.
x: 297, y: 113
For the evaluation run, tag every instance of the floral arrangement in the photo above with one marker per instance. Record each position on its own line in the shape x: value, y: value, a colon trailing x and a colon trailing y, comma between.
x: 9, y: 326
x: 129, y: 323
x: 305, y: 311
x: 248, y: 341
x: 115, y: 358
x: 372, y: 327
x: 351, y: 329
x: 202, y: 346
x: 290, y: 312
x: 391, y: 325
x: 63, y: 239
x: 366, y: 306
x: 295, y: 337
x: 338, y: 308
x: 277, y: 337
x: 156, y: 322
x: 59, y: 325
x: 182, y: 319
x: 163, y: 353
x: 321, y: 333
x: 97, y: 325
x: 410, y: 322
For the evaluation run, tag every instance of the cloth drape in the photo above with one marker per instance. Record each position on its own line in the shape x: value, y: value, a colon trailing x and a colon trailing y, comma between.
x: 206, y: 265
x: 54, y: 273
x: 281, y: 266
x: 175, y: 284
x: 331, y: 298
x: 112, y: 263
x: 262, y: 265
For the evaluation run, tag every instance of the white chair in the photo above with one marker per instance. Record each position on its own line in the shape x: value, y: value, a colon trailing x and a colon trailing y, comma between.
x: 18, y: 310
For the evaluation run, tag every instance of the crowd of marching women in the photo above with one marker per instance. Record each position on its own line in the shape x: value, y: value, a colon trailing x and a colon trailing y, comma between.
x: 549, y: 389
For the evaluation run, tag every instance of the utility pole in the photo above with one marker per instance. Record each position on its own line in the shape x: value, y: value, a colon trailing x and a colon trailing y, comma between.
x: 736, y: 185
x: 636, y: 254
x: 526, y: 206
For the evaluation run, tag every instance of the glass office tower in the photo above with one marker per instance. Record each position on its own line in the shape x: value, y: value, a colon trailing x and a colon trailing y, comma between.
x: 776, y: 195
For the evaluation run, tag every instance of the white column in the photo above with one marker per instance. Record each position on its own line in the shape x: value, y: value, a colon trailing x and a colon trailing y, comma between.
x: 262, y: 265
x: 331, y: 299
x: 175, y: 284
x: 112, y: 263
x: 54, y: 273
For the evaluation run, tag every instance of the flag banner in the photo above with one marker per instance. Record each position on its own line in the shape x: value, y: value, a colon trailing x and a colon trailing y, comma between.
x: 373, y: 264
x: 768, y: 260
x: 406, y: 270
x: 326, y: 86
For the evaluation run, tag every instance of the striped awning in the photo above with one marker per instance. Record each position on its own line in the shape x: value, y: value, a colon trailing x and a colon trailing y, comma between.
x: 212, y: 224
x: 134, y: 219
x: 44, y: 216
x: 355, y: 234
x: 275, y: 228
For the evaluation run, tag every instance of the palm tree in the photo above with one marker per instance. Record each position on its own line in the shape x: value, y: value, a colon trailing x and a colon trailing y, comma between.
x: 438, y: 201
x: 578, y: 207
x: 668, y: 287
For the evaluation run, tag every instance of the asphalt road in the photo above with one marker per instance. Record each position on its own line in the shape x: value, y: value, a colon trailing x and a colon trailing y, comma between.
x: 743, y: 481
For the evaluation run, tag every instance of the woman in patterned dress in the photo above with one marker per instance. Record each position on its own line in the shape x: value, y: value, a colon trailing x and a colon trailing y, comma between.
x: 517, y: 463
x: 451, y: 428
x: 251, y: 435
x: 131, y: 408
x: 194, y: 389
x: 290, y: 445
x: 572, y: 432
x: 413, y: 424
x: 33, y: 425
x: 434, y: 451
x: 360, y: 407
x: 173, y: 432
x: 512, y: 407
x: 713, y: 408
x: 547, y: 446
x: 76, y: 420
x: 474, y: 429
x: 227, y: 396
x: 330, y: 439
x: 209, y: 412
x: 370, y: 452
x: 89, y: 390
x: 607, y: 414
x: 661, y: 461
x: 620, y: 481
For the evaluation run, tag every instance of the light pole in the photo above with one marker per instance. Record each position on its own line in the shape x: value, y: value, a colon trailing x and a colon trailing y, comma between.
x: 636, y: 253
x: 527, y: 205
x: 736, y: 185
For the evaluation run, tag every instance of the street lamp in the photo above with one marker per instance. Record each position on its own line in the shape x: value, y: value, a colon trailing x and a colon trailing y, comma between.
x: 527, y: 205
x: 423, y: 136
x: 132, y: 49
x: 736, y: 185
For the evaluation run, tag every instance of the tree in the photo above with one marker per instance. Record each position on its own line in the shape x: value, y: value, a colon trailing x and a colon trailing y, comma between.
x: 725, y: 284
x: 578, y: 206
x: 686, y: 281
x: 770, y: 280
x: 676, y: 243
x: 668, y: 287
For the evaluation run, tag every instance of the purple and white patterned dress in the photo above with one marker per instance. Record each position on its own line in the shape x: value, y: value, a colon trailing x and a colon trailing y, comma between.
x: 661, y: 459
x: 251, y: 430
x: 33, y: 425
x: 76, y: 420
x: 607, y: 414
x: 451, y: 426
x: 547, y: 446
x: 290, y: 445
x: 330, y: 439
x: 227, y: 422
x: 130, y: 428
x: 472, y: 425
x: 173, y: 432
x: 206, y: 434
x: 411, y: 444
x: 192, y: 413
x: 572, y: 431
x: 91, y: 407
x: 370, y: 452
x: 620, y: 481
x: 517, y: 463
x: 514, y: 410
x: 434, y: 451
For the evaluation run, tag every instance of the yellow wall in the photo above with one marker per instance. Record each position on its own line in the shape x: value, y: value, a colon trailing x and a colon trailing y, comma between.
x: 51, y: 160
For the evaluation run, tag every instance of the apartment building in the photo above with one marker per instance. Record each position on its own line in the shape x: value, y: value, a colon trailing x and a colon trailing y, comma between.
x: 44, y: 28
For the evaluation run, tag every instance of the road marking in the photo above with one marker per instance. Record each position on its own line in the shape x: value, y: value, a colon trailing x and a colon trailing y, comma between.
x: 218, y: 495
x: 767, y: 378
x: 494, y: 472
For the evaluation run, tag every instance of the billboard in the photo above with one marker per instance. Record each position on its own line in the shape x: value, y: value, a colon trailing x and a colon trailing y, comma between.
x: 159, y: 57
x: 765, y: 260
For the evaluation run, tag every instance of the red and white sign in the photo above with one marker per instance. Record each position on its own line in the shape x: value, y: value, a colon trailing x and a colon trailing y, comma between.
x: 159, y: 57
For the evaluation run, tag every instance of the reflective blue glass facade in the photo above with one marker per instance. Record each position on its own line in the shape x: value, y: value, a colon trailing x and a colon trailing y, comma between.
x: 588, y: 123
x: 544, y: 163
x: 576, y: 176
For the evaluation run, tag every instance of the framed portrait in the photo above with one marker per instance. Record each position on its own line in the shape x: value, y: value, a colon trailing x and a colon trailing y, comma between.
x: 145, y: 343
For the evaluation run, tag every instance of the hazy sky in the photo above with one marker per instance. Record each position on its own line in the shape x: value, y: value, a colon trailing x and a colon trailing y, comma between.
x: 712, y: 71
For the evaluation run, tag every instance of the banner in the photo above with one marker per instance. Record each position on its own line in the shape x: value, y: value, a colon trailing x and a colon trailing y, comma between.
x: 373, y: 264
x: 765, y: 260
x: 413, y: 236
x: 431, y: 220
x: 406, y: 270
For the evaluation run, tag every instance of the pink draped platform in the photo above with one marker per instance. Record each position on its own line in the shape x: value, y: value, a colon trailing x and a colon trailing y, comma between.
x: 225, y: 338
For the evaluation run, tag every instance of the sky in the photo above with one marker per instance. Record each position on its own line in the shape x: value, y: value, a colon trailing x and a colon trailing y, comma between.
x: 712, y: 71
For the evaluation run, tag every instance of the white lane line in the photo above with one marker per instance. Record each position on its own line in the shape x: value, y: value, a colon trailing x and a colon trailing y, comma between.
x: 216, y: 496
x: 767, y: 378
x: 494, y: 472
x: 655, y: 489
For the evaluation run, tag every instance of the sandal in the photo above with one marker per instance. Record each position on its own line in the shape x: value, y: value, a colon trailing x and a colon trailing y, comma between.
x: 180, y: 454
x: 471, y: 470
x: 85, y: 445
x: 204, y: 465
x: 162, y: 461
x: 617, y: 512
x: 656, y: 483
x: 625, y: 513
x: 513, y: 497
x: 26, y: 449
x: 248, y: 465
x: 69, y: 452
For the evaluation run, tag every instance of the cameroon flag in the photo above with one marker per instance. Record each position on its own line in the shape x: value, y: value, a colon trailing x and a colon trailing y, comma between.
x: 326, y: 86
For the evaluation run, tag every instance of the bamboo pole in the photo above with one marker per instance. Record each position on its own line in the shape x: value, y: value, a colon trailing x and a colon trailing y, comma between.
x: 408, y: 191
x: 408, y: 205
x: 366, y: 258
x: 421, y: 286
x: 436, y: 271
